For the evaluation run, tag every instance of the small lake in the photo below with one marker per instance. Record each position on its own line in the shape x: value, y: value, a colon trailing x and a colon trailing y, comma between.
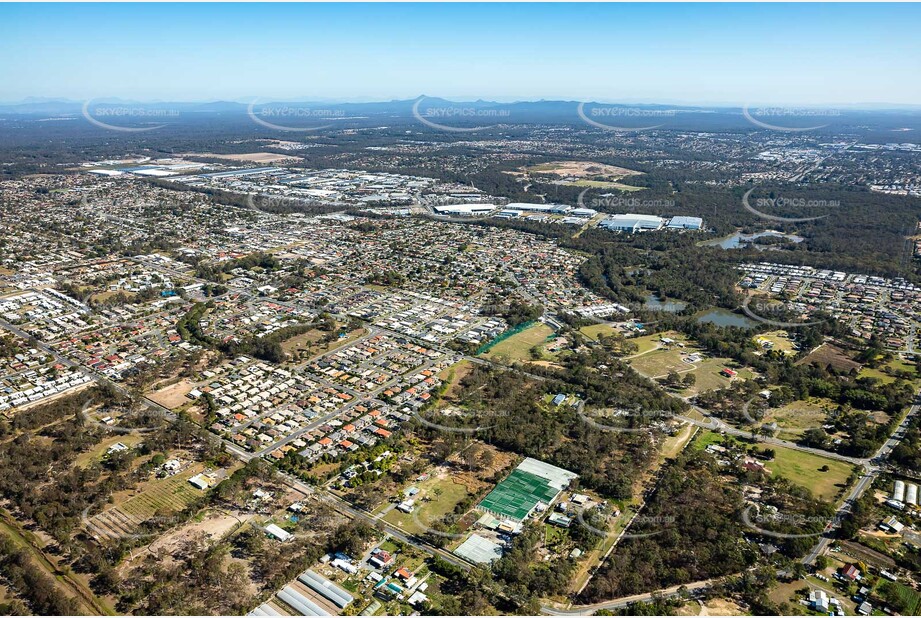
x: 739, y: 239
x: 724, y: 317
x: 654, y: 303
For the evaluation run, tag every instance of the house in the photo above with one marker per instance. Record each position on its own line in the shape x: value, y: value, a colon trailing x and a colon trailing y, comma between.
x: 403, y: 573
x: 559, y: 399
x: 892, y: 524
x: 380, y: 559
x: 727, y: 372
x: 851, y: 572
x: 200, y: 481
x: 818, y: 600
x: 277, y: 533
x: 118, y: 447
x: 865, y: 609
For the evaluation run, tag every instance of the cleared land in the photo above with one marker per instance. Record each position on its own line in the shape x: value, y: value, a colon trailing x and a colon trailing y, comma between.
x: 308, y: 344
x: 827, y: 354
x: 439, y: 498
x: 804, y: 470
x: 658, y: 363
x: 517, y: 348
x: 159, y: 497
x: 779, y: 340
x: 798, y: 416
x: 581, y: 169
x: 595, y: 331
x: 174, y: 395
x: 801, y: 468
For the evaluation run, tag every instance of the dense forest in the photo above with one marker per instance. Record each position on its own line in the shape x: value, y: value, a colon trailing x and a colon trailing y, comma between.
x: 693, y: 523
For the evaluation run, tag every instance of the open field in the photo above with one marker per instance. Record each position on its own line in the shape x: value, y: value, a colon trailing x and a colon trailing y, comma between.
x: 172, y: 396
x: 517, y: 348
x: 656, y: 363
x: 651, y: 342
x: 581, y: 169
x: 453, y: 375
x: 798, y: 416
x: 307, y: 344
x: 828, y: 354
x: 779, y: 341
x: 96, y: 453
x: 893, y: 365
x: 439, y: 498
x: 597, y: 330
x: 803, y: 469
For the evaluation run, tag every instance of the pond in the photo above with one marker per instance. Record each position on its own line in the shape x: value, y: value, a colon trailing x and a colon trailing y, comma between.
x: 724, y: 317
x: 739, y: 239
x: 654, y: 303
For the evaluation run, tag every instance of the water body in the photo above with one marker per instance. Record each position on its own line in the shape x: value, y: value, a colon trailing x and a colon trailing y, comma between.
x: 724, y: 317
x: 740, y: 240
x: 654, y: 303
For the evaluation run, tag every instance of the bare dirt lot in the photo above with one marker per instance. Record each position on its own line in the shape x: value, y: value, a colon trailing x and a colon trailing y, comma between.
x: 172, y: 396
x: 581, y: 169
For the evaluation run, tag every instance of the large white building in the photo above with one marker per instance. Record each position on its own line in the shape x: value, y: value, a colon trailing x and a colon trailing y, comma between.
x: 632, y: 223
x: 465, y: 210
x: 685, y: 223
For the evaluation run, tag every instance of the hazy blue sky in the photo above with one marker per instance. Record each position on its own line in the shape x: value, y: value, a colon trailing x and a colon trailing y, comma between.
x: 771, y: 53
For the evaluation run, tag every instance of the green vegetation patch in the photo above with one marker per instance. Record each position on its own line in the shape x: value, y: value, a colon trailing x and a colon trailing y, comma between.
x: 804, y: 470
x: 516, y: 344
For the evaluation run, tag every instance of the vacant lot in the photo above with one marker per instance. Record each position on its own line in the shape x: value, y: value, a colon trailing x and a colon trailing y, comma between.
x: 172, y: 396
x: 798, y: 416
x: 804, y: 470
x: 517, y: 348
x: 827, y: 354
x: 453, y: 376
x: 598, y: 330
x: 581, y: 169
x: 308, y: 344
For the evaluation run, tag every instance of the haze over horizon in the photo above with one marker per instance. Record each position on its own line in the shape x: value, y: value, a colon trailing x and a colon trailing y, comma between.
x: 862, y: 55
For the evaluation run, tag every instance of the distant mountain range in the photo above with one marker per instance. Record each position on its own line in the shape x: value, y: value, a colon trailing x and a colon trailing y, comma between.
x: 543, y: 108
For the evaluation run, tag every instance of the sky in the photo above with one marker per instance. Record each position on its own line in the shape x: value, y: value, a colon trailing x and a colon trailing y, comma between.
x: 803, y: 54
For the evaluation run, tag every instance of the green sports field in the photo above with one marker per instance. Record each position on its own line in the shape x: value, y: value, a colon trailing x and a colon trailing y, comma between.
x: 515, y: 496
